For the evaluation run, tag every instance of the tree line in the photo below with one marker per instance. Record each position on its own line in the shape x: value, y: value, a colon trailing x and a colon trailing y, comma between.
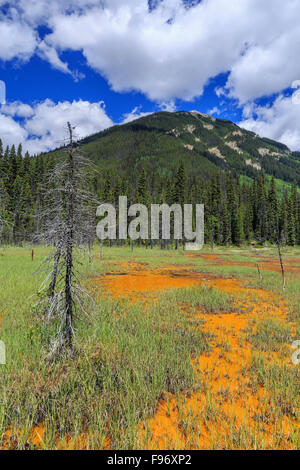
x: 236, y: 211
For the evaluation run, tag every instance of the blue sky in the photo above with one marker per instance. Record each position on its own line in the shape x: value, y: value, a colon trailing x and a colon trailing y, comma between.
x: 37, y: 80
x: 99, y: 63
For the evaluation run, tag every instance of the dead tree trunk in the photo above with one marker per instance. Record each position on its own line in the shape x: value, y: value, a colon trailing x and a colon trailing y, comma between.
x: 259, y: 272
x: 55, y: 270
x: 69, y: 203
x: 281, y: 263
x: 69, y: 243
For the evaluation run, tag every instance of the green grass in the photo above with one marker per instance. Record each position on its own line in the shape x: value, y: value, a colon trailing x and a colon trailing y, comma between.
x: 270, y: 335
x: 283, y: 383
x: 204, y: 298
x: 127, y: 354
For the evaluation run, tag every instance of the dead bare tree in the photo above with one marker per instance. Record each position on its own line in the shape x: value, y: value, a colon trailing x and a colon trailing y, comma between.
x: 259, y: 272
x: 281, y: 262
x: 69, y: 240
x: 69, y: 224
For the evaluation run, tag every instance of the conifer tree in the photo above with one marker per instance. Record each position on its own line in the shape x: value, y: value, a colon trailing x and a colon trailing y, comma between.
x: 264, y: 212
x: 13, y: 166
x: 272, y: 217
x: 237, y: 227
x: 295, y: 209
x: 291, y: 223
x: 141, y: 188
x: 283, y: 222
x: 6, y: 154
x: 179, y: 192
x: 16, y: 208
x: 180, y: 185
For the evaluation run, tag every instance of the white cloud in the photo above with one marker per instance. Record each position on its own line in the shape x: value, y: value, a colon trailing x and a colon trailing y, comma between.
x: 39, y: 11
x: 169, y: 106
x: 220, y: 91
x: 44, y: 126
x: 279, y: 121
x: 136, y: 113
x: 138, y: 50
x: 269, y: 67
x: 17, y: 108
x: 17, y: 40
x: 49, y: 53
x: 257, y: 42
x: 170, y: 51
x: 214, y: 110
x: 10, y: 131
x: 18, y: 36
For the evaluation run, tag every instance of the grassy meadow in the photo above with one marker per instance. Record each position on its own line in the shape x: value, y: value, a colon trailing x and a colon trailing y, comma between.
x: 178, y: 351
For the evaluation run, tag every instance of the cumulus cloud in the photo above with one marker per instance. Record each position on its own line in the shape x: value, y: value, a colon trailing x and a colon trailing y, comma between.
x: 167, y: 51
x: 172, y: 51
x: 269, y: 67
x: 279, y: 121
x: 17, y: 40
x: 18, y: 36
x: 17, y: 108
x: 44, y: 124
x: 140, y: 50
x: 11, y: 131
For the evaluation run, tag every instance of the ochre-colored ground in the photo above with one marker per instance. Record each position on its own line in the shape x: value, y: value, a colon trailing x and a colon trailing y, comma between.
x: 265, y: 263
x: 225, y: 406
x: 137, y: 280
x: 37, y: 438
x: 223, y: 411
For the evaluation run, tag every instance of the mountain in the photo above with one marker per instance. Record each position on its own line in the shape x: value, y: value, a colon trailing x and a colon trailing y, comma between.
x: 158, y: 142
x: 173, y: 158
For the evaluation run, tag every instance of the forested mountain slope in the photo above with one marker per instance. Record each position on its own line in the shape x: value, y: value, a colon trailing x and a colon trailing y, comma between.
x: 159, y: 141
x: 182, y: 157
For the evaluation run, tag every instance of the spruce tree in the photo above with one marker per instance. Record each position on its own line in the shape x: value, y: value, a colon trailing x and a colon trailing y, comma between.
x: 291, y: 224
x: 180, y: 181
x: 272, y: 217
x: 141, y: 188
x: 13, y: 166
x: 283, y: 221
x: 295, y: 208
